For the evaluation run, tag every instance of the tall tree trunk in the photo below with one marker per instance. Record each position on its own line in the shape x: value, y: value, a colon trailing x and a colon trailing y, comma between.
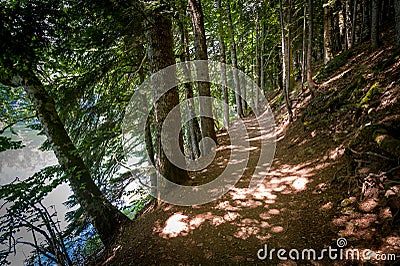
x: 303, y: 50
x: 258, y: 59
x: 354, y: 23
x: 161, y: 55
x: 310, y: 80
x: 239, y: 108
x: 289, y: 44
x: 225, y: 94
x: 349, y: 27
x: 285, y: 63
x: 192, y: 125
x: 342, y: 27
x: 206, y: 121
x: 375, y: 24
x: 262, y: 61
x: 106, y: 218
x: 397, y: 18
x: 366, y: 21
x: 327, y: 34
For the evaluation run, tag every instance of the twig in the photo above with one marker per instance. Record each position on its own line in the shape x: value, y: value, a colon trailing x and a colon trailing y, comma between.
x: 391, y: 170
x: 370, y: 153
x: 15, y: 122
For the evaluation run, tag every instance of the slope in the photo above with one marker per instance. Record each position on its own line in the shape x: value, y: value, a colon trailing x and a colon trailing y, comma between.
x: 335, y: 174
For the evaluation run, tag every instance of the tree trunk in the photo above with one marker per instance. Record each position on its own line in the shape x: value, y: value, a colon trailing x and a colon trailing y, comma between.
x: 289, y: 45
x: 239, y: 108
x: 354, y: 23
x: 349, y: 27
x: 262, y: 61
x: 327, y: 34
x: 397, y: 18
x: 225, y: 94
x: 303, y: 50
x: 106, y: 218
x: 206, y: 120
x: 285, y: 63
x: 375, y: 24
x: 310, y: 80
x: 366, y: 22
x: 161, y: 55
x: 258, y: 59
x: 192, y: 125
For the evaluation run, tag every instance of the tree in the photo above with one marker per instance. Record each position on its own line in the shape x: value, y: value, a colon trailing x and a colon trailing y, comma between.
x: 366, y: 18
x: 161, y: 55
x: 193, y: 128
x: 397, y: 18
x: 239, y: 107
x: 32, y: 27
x: 258, y: 60
x: 310, y: 80
x: 354, y: 22
x: 106, y: 218
x: 206, y: 120
x: 327, y: 34
x: 285, y: 61
x: 304, y: 39
x: 375, y: 24
x: 225, y: 95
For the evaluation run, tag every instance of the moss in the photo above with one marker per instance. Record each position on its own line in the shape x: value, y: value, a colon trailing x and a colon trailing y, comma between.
x: 371, y: 93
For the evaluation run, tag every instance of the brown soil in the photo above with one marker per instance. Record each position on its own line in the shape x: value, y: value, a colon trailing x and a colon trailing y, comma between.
x: 291, y: 209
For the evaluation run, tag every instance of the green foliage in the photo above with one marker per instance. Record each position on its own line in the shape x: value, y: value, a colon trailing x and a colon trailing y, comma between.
x: 92, y: 246
x: 7, y: 143
x: 136, y: 206
x: 22, y: 209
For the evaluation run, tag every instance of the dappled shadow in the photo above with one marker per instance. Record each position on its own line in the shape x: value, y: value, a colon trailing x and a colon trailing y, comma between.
x: 288, y: 209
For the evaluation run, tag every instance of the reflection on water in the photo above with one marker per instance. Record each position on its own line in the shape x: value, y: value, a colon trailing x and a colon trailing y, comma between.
x: 24, y: 163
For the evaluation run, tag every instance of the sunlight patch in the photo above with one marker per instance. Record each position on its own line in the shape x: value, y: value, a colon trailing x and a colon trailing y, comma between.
x: 277, y: 229
x: 300, y: 183
x: 175, y: 225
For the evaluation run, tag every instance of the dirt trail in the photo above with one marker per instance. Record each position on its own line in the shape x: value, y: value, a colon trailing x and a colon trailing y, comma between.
x: 293, y: 208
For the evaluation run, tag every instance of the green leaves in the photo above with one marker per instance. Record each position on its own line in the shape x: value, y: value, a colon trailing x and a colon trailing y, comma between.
x: 6, y: 143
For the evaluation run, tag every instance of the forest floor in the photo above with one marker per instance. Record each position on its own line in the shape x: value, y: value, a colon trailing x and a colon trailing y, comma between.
x: 310, y: 197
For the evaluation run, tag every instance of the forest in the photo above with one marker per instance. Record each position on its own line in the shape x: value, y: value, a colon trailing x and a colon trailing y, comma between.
x: 193, y: 132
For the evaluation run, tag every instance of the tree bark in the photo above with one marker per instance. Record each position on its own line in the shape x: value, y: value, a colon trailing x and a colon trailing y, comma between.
x: 354, y: 23
x: 160, y: 53
x: 225, y: 94
x: 375, y: 24
x: 239, y: 108
x: 366, y: 22
x: 327, y: 34
x: 310, y: 80
x: 285, y: 63
x: 303, y: 50
x: 206, y: 122
x: 258, y: 60
x: 348, y: 23
x: 397, y: 18
x: 106, y: 218
x: 262, y: 64
x: 193, y: 126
